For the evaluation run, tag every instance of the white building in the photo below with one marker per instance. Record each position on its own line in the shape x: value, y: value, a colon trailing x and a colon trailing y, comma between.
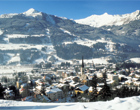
x: 54, y: 93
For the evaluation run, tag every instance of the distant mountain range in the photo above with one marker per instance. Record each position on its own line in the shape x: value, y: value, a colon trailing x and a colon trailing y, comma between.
x: 35, y: 37
x: 109, y: 20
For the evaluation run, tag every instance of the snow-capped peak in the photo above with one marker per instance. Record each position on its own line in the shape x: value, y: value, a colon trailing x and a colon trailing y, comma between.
x: 109, y: 20
x: 105, y: 14
x: 32, y: 12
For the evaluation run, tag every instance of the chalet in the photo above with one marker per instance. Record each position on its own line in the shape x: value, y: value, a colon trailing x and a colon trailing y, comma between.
x: 81, y: 89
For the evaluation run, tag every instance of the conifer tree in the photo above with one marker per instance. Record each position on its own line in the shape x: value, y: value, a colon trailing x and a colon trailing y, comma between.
x: 105, y: 93
x: 93, y: 82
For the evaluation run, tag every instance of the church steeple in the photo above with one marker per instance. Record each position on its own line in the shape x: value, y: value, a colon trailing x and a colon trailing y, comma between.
x: 82, y: 62
x: 82, y: 66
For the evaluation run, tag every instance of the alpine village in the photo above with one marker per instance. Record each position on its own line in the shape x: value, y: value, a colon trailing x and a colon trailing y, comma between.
x: 76, y: 82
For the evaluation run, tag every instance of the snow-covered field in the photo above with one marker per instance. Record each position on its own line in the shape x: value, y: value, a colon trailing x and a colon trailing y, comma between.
x: 19, y: 46
x: 131, y: 103
x: 101, y: 60
x: 12, y: 69
x: 136, y: 60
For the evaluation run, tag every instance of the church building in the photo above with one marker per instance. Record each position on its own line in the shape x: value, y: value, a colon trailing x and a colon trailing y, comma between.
x: 82, y: 74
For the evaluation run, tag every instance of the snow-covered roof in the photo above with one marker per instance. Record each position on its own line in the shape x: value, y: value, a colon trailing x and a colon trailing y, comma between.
x: 53, y: 90
x: 100, y: 84
x: 110, y: 81
x: 39, y: 81
x: 98, y: 88
x: 8, y: 91
x: 28, y: 98
x: 61, y: 85
x: 90, y: 88
x: 24, y: 85
x: 39, y: 87
x: 129, y: 81
x: 45, y: 97
x: 73, y: 84
x: 83, y: 87
x: 136, y: 75
x: 137, y: 82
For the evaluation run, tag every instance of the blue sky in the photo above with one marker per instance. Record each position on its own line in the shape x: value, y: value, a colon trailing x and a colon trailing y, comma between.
x: 72, y: 9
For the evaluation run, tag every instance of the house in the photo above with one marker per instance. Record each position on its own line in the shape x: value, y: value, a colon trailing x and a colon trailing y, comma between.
x: 100, y: 84
x: 91, y: 70
x: 28, y: 98
x: 90, y: 90
x: 81, y: 89
x: 129, y: 82
x: 99, y: 75
x: 113, y: 77
x: 39, y: 82
x: 9, y: 94
x: 63, y: 86
x: 54, y: 93
x: 39, y: 88
x: 24, y: 90
x: 66, y: 74
x: 98, y: 89
x: 18, y: 83
x: 41, y: 98
x: 59, y: 72
x: 74, y: 85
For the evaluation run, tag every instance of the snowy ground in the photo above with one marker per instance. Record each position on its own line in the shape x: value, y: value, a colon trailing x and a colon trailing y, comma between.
x: 132, y: 103
x: 12, y: 69
x: 101, y: 60
x: 136, y: 60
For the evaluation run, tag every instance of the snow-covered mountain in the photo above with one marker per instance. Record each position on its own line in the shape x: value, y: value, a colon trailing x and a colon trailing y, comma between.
x: 31, y: 12
x: 131, y: 103
x: 109, y: 20
x: 34, y: 37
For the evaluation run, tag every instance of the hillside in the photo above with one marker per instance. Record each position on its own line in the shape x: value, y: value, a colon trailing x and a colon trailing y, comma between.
x: 34, y: 37
x: 131, y: 103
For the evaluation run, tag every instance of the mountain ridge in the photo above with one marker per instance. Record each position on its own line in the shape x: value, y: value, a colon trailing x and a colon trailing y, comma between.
x: 35, y: 37
x: 109, y: 20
